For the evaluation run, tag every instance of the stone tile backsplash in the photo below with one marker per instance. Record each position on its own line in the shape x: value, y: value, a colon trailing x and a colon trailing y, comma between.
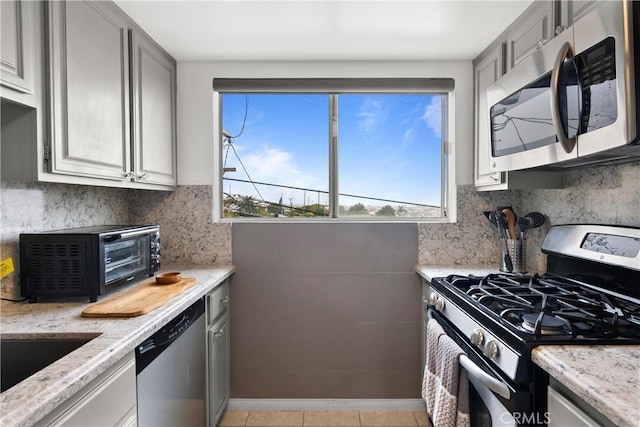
x: 472, y: 240
x: 598, y: 195
x: 189, y: 236
x: 28, y: 207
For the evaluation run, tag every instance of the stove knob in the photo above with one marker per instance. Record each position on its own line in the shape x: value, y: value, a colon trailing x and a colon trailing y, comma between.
x: 439, y: 304
x: 433, y: 298
x: 477, y: 337
x: 491, y: 349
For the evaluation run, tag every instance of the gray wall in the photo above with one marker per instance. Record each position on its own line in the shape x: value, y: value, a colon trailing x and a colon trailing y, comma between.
x: 325, y: 311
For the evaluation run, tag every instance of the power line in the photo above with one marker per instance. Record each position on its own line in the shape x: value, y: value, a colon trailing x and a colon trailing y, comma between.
x: 326, y: 192
x: 245, y: 171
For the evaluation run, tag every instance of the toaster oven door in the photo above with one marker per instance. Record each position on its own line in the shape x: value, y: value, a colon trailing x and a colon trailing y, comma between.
x: 126, y: 257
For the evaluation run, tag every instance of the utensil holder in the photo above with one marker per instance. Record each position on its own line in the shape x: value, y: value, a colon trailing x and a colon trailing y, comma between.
x: 516, y: 250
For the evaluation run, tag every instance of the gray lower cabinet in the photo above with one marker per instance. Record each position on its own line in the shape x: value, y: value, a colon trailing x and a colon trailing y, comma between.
x: 109, y: 400
x: 218, y: 384
x: 219, y: 368
x: 18, y: 54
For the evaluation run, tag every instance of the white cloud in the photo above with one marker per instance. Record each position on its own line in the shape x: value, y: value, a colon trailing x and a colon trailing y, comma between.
x: 433, y: 116
x: 409, y: 136
x: 371, y: 114
x: 274, y: 166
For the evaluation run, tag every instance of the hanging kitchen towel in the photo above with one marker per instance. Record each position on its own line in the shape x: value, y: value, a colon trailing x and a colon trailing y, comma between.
x: 446, y: 386
x: 430, y: 381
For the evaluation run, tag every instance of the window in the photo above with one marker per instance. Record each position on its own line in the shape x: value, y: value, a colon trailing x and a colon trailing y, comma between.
x: 339, y: 148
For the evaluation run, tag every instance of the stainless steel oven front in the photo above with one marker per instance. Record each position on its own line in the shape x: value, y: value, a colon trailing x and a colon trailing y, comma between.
x: 494, y: 398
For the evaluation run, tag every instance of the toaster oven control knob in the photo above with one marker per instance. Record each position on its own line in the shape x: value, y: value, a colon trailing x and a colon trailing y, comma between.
x: 477, y: 337
x: 491, y: 349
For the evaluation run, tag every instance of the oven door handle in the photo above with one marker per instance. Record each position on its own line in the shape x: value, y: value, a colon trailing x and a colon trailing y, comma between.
x: 486, y: 379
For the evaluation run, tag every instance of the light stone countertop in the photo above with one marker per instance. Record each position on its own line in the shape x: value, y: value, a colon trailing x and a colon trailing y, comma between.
x: 428, y: 272
x: 606, y: 377
x: 32, y: 399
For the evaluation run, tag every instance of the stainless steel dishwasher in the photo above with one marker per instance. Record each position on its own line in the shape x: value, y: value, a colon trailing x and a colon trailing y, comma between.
x: 171, y: 370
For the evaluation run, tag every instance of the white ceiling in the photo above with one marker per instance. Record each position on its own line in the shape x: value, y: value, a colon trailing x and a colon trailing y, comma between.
x: 323, y: 29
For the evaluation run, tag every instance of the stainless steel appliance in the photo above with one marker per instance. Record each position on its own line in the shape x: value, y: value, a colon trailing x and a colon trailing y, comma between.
x: 86, y: 261
x: 588, y: 296
x: 573, y: 101
x: 171, y: 372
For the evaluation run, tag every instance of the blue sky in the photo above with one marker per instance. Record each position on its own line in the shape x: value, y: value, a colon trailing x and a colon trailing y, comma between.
x: 389, y: 146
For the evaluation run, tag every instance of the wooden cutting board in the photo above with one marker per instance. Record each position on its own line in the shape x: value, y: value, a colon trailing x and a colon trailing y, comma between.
x: 139, y: 300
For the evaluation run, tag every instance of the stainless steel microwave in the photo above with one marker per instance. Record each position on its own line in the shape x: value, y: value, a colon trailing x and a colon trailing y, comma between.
x: 86, y: 261
x: 572, y: 102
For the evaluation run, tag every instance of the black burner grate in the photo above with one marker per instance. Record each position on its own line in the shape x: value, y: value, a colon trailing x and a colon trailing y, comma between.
x: 550, y: 305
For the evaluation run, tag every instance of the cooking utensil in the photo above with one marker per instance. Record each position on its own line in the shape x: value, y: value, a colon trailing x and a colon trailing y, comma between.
x: 537, y: 218
x: 490, y: 217
x: 505, y: 253
x: 511, y: 222
x: 495, y: 218
x: 501, y: 221
x: 529, y: 221
x: 524, y: 224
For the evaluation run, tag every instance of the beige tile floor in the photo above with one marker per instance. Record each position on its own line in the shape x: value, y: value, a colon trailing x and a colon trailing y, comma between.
x: 323, y: 419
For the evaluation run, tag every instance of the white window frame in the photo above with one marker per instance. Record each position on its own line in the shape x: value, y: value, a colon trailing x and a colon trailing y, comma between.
x: 331, y: 87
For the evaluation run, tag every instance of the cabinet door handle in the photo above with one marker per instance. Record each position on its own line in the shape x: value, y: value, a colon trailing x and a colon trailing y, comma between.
x: 218, y: 333
x: 142, y: 176
x: 224, y: 299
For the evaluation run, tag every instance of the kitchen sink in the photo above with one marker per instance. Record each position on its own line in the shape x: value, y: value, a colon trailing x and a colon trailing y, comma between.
x: 21, y: 358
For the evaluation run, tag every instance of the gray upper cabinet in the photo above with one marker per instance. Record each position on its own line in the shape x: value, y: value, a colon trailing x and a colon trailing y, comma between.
x: 18, y: 51
x: 534, y: 27
x: 154, y: 133
x: 572, y: 10
x: 487, y: 68
x: 89, y: 81
x: 113, y: 97
x: 103, y: 107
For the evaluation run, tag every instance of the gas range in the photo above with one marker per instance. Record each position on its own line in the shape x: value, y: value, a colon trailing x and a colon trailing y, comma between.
x: 589, y: 295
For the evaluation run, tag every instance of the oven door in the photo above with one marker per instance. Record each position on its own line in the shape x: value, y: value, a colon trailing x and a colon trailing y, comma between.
x: 493, y: 399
